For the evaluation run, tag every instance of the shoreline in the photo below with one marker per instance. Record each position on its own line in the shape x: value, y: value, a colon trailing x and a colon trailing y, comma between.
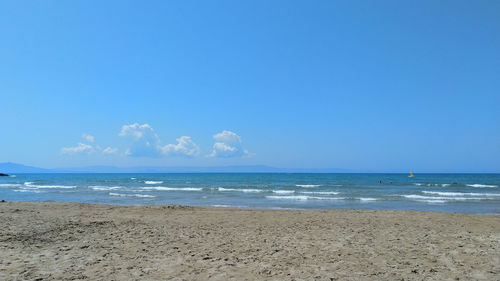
x: 228, y: 207
x: 79, y: 241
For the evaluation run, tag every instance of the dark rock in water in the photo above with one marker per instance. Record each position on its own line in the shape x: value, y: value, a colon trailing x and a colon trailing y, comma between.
x: 3, y: 175
x: 3, y: 201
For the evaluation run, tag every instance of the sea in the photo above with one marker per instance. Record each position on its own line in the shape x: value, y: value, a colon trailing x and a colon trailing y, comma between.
x: 456, y: 193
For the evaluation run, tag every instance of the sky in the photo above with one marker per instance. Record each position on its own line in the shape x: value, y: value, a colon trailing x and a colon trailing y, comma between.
x: 363, y: 85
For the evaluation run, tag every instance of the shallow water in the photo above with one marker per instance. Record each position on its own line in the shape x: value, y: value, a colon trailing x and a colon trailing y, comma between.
x: 462, y: 193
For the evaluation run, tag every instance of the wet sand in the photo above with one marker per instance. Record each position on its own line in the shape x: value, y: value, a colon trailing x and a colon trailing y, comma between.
x: 72, y: 241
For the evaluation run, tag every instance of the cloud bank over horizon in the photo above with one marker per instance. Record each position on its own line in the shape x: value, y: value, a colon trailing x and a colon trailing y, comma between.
x: 88, y: 148
x: 145, y: 142
x: 228, y: 144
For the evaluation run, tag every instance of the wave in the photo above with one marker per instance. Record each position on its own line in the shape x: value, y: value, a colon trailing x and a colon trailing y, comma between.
x: 10, y: 185
x: 12, y: 176
x: 144, y: 195
x: 30, y: 184
x: 481, y: 185
x: 153, y: 182
x: 132, y: 178
x: 283, y: 191
x: 100, y: 187
x: 432, y: 201
x: 307, y: 185
x: 164, y: 188
x: 320, y: 192
x: 367, y: 199
x: 420, y: 197
x: 29, y: 190
x: 433, y: 184
x: 303, y: 197
x: 246, y: 190
x: 131, y: 195
x: 460, y: 193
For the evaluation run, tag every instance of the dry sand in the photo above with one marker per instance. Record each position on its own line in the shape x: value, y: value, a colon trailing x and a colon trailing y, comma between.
x: 70, y: 241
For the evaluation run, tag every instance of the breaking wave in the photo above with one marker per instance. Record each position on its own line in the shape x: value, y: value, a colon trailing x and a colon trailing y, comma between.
x: 481, y: 185
x: 307, y: 185
x: 164, y: 188
x: 153, y: 182
x: 131, y: 195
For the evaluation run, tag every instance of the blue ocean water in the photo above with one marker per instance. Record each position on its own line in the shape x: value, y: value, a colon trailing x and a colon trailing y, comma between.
x: 461, y: 193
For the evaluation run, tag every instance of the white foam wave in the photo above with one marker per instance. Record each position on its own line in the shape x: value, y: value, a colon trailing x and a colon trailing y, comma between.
x: 144, y: 195
x: 460, y: 193
x: 283, y: 191
x: 367, y: 199
x: 320, y: 192
x: 131, y: 195
x: 433, y: 201
x: 164, y: 188
x: 30, y: 184
x: 132, y: 178
x: 481, y: 185
x: 117, y: 194
x: 303, y: 197
x: 420, y: 197
x: 10, y: 185
x: 246, y: 190
x: 438, y: 184
x: 101, y: 187
x: 307, y: 185
x: 29, y: 190
x: 153, y: 182
x: 12, y: 176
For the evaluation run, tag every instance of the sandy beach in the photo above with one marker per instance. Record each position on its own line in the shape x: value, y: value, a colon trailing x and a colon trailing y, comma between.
x: 72, y: 241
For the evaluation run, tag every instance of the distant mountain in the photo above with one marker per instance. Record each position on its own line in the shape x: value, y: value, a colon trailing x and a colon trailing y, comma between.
x: 18, y: 168
x: 9, y: 167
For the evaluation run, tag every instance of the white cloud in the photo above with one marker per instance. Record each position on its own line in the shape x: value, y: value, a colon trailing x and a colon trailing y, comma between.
x: 110, y: 150
x: 146, y: 143
x: 138, y: 131
x: 227, y: 137
x: 80, y: 148
x: 228, y: 144
x: 88, y: 147
x: 185, y: 146
x: 88, y: 138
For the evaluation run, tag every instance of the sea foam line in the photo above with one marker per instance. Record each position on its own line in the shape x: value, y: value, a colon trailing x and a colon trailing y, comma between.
x: 460, y: 193
x: 433, y: 184
x: 101, y: 187
x: 481, y: 185
x: 10, y: 185
x: 29, y: 190
x: 30, y: 184
x: 307, y: 185
x: 283, y: 191
x: 420, y: 197
x: 131, y: 195
x: 246, y: 190
x: 303, y: 197
x: 153, y: 182
x: 321, y: 192
x: 164, y: 188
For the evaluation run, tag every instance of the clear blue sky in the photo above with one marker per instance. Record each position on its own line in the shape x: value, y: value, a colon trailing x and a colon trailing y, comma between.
x: 379, y: 85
